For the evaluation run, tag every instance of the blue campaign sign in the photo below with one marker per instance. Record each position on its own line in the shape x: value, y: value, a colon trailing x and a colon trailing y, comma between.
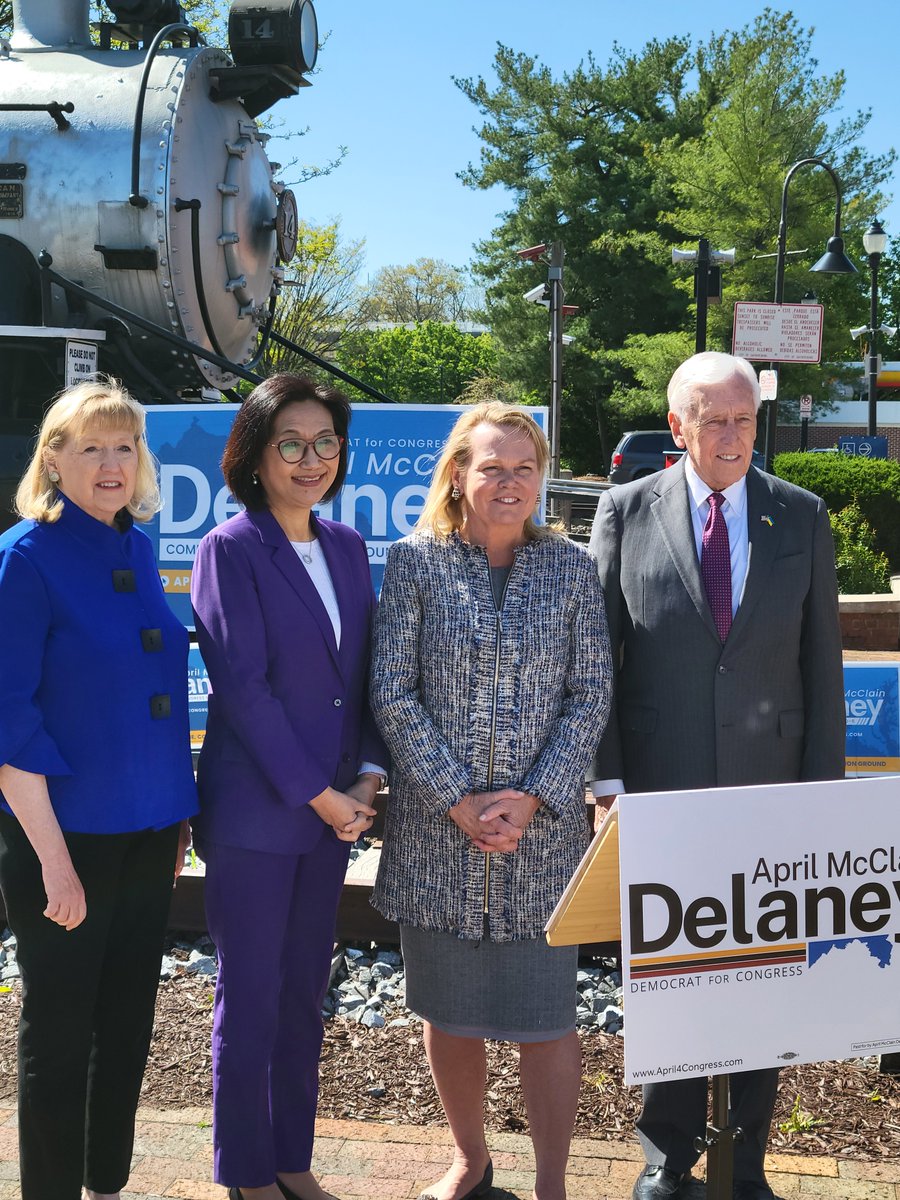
x: 872, y: 705
x: 871, y: 701
x: 392, y: 451
x: 198, y: 693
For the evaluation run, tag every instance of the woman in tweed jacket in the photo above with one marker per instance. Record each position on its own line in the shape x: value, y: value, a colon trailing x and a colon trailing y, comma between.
x: 491, y: 686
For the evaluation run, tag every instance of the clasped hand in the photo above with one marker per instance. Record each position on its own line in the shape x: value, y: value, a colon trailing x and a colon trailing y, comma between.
x: 495, y: 821
x: 348, y: 813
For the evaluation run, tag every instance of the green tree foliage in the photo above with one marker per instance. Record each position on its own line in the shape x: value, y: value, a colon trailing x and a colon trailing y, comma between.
x: 426, y: 290
x: 318, y: 301
x: 655, y: 149
x: 429, y: 363
x: 651, y: 359
x: 207, y: 15
x: 578, y: 156
x: 861, y: 567
x: 889, y: 301
x: 728, y: 183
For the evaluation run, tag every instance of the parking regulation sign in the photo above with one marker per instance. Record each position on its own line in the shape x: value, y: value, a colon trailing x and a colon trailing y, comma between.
x: 806, y: 406
x: 777, y: 332
x: 768, y: 385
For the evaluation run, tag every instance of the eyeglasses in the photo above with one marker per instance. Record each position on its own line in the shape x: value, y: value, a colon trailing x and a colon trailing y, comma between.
x: 293, y: 450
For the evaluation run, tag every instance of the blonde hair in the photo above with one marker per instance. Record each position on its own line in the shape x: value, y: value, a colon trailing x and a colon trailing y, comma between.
x: 100, y: 405
x: 443, y: 515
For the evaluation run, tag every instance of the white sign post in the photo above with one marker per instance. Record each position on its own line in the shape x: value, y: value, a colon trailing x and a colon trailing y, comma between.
x: 732, y: 957
x: 778, y: 332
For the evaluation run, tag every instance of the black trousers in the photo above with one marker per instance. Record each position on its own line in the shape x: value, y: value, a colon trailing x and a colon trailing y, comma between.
x: 88, y: 998
x: 674, y: 1113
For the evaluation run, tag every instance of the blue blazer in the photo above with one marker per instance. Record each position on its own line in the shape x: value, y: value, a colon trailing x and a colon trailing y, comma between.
x: 288, y: 710
x: 93, y: 674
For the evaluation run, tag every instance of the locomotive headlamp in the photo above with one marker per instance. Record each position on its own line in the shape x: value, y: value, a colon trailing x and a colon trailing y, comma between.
x: 279, y: 33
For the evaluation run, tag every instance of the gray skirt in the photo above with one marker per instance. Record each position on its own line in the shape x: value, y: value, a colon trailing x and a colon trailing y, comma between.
x: 508, y: 991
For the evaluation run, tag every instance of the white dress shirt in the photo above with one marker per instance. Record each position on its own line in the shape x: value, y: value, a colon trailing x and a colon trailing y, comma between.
x: 317, y: 569
x: 734, y: 510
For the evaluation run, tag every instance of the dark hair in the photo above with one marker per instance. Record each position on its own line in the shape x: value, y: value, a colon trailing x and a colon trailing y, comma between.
x: 252, y: 429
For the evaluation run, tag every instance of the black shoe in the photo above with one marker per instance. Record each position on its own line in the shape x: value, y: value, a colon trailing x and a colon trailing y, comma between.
x: 658, y: 1183
x: 235, y: 1194
x: 752, y: 1191
x: 481, y: 1188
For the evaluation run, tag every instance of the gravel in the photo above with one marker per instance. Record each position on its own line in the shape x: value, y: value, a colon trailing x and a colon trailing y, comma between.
x: 373, y: 1066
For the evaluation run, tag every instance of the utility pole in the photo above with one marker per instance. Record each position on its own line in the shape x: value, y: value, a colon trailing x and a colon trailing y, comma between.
x: 557, y: 299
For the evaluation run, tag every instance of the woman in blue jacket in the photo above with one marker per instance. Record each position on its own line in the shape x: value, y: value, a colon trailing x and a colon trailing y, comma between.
x: 95, y: 786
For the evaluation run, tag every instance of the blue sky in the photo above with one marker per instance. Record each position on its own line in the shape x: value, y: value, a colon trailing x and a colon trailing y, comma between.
x: 384, y: 90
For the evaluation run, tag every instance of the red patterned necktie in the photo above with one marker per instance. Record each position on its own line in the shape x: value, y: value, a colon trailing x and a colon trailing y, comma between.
x: 715, y: 565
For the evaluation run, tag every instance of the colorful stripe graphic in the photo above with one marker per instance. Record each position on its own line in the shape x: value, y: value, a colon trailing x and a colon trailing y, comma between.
x: 718, y: 960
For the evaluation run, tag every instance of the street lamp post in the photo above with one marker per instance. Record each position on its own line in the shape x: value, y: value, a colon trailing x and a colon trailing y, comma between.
x: 552, y: 295
x: 874, y: 242
x: 833, y: 262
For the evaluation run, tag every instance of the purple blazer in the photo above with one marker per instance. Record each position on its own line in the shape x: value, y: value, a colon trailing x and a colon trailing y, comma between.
x: 288, y: 710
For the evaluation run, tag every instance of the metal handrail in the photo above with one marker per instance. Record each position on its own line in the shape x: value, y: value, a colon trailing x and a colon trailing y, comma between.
x: 48, y: 276
x: 577, y: 487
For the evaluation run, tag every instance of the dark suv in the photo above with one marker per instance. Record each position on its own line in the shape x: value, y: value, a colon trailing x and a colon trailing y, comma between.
x: 644, y: 451
x: 640, y: 453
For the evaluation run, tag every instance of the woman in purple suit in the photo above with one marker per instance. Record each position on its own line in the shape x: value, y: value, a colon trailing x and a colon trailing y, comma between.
x: 288, y: 771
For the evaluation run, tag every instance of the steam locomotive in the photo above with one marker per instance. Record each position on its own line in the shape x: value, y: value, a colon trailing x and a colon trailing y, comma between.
x: 140, y: 217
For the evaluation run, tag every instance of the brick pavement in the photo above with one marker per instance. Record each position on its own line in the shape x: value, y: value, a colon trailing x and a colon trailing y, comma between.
x: 372, y: 1161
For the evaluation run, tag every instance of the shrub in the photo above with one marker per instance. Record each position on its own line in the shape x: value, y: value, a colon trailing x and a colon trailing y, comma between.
x: 860, y: 567
x: 841, y: 480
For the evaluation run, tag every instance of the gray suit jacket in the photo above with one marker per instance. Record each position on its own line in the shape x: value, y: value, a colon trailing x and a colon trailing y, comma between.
x: 688, y: 712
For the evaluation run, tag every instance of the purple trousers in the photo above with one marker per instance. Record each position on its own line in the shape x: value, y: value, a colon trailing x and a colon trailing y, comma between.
x: 272, y: 918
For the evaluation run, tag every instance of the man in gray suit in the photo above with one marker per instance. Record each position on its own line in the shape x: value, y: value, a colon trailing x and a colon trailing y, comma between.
x: 721, y: 598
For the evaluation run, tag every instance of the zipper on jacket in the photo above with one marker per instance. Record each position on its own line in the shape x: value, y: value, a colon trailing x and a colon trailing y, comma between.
x: 490, y: 771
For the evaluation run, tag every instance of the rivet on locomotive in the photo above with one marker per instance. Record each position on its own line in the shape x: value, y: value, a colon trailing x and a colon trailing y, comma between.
x: 139, y: 211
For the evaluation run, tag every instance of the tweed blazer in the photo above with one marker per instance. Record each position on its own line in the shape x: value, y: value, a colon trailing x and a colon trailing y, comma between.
x: 449, y: 670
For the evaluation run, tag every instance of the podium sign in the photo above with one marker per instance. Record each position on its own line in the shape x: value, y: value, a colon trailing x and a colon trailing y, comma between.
x: 745, y: 912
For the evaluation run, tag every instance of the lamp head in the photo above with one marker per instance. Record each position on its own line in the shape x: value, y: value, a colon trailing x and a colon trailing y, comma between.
x: 834, y: 261
x: 875, y: 239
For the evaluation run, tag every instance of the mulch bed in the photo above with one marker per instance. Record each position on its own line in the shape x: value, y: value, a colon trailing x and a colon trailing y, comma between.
x: 846, y: 1109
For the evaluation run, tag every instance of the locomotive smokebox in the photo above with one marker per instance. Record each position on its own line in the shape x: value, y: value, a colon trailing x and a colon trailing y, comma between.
x: 143, y: 174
